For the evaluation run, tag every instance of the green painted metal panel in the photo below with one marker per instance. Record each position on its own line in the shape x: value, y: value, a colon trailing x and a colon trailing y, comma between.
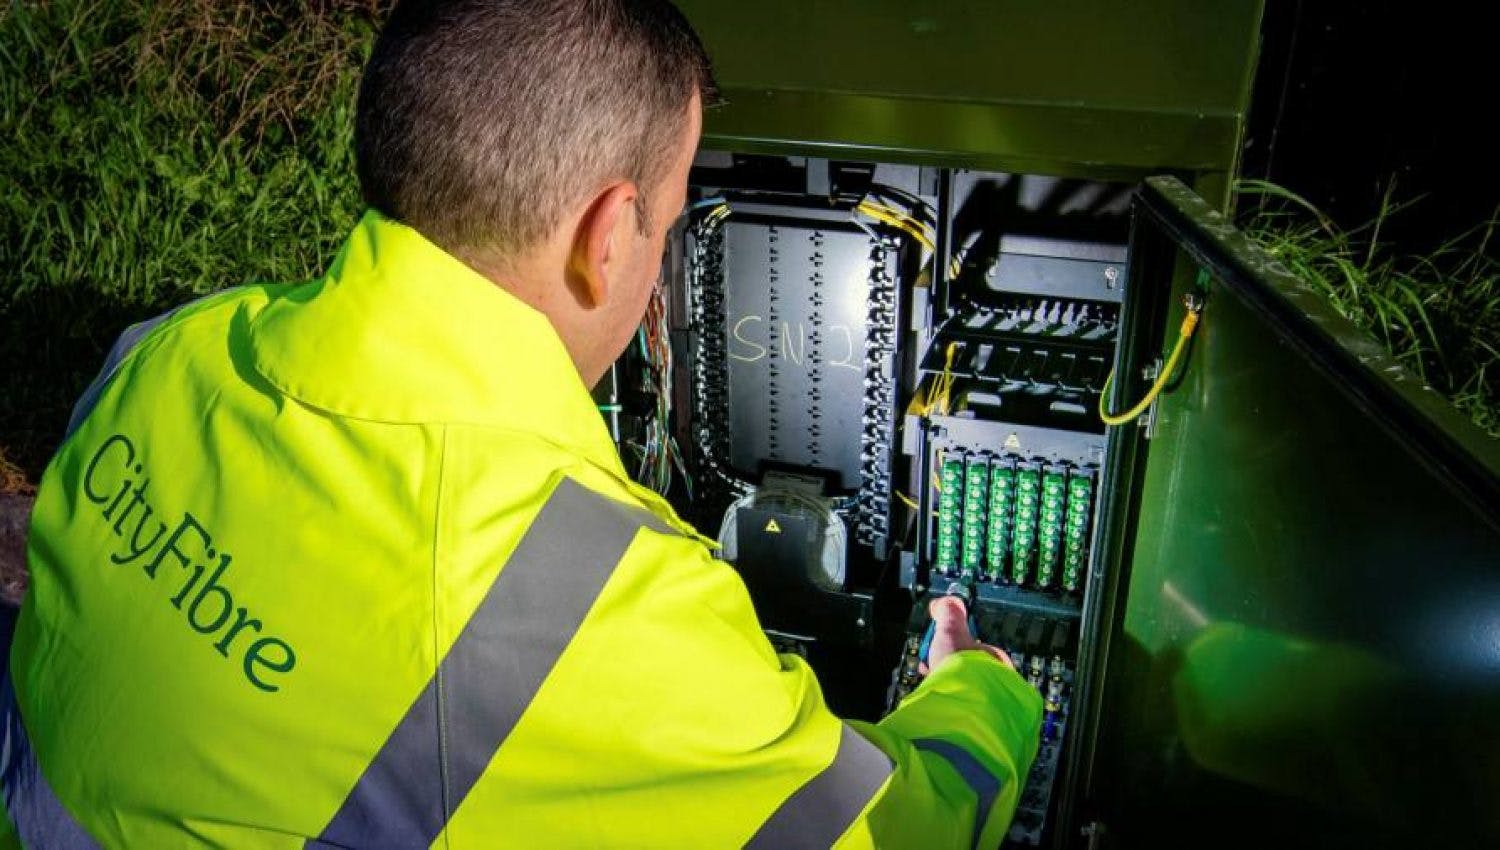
x: 1309, y: 645
x: 1085, y: 89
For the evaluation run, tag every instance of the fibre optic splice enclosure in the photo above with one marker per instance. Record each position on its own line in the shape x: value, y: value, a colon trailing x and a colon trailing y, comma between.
x: 921, y: 235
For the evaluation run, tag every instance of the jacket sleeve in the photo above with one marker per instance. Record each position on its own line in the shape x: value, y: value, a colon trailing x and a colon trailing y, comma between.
x: 943, y: 770
x: 962, y: 744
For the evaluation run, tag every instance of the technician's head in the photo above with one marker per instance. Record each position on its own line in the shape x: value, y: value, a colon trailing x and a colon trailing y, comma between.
x: 544, y: 142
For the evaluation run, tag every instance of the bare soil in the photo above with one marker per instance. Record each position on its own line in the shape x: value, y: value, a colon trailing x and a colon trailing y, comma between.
x: 16, y: 498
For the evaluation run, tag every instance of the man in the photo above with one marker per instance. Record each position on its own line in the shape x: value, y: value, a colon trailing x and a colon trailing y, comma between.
x: 354, y: 563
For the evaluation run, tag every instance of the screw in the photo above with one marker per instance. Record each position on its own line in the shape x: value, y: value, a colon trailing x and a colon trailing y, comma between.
x: 1111, y: 277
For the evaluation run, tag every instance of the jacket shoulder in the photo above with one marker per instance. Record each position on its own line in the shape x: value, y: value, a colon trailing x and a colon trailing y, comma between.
x: 498, y: 465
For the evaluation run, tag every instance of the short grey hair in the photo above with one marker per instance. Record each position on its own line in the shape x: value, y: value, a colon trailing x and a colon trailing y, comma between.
x: 480, y: 121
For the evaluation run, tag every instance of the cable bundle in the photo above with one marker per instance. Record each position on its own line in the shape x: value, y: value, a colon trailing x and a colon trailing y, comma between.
x: 659, y: 453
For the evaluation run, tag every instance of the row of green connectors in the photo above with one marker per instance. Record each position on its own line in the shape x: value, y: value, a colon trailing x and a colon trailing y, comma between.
x: 950, y: 491
x: 1023, y: 532
x: 1075, y: 530
x: 1002, y: 500
x: 976, y: 498
x: 1049, y: 526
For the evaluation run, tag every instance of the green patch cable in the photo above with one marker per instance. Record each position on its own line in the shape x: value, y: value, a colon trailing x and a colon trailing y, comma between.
x: 1049, y: 526
x: 1075, y: 529
x: 949, y: 524
x: 1002, y: 502
x: 1023, y: 533
x: 976, y: 497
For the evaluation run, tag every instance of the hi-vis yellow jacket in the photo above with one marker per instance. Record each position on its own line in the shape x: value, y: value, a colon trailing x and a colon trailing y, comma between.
x: 354, y: 563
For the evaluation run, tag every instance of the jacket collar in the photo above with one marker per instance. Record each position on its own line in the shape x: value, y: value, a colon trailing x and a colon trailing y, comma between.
x: 400, y: 331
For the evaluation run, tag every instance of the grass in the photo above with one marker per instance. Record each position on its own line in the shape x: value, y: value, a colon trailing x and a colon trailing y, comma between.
x: 1438, y: 314
x: 155, y: 151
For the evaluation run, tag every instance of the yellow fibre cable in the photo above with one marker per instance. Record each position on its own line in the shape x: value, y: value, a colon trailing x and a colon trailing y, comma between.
x: 897, y: 220
x: 918, y: 405
x: 909, y: 501
x: 1189, y: 325
x: 907, y: 219
x: 938, y: 390
x: 921, y: 403
x: 882, y: 215
x: 947, y: 377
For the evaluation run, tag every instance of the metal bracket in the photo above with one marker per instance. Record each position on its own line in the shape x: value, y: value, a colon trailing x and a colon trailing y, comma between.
x: 1148, y: 419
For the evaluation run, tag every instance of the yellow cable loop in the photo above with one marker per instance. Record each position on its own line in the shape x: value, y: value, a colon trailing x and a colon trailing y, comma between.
x: 898, y: 220
x: 938, y: 390
x: 1189, y: 325
x: 947, y: 377
x: 907, y: 219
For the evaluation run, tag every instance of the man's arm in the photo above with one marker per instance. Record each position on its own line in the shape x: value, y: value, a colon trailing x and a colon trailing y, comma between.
x: 974, y: 718
x: 946, y: 769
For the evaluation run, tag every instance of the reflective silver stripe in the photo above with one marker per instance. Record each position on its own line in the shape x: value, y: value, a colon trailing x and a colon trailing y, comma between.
x: 127, y: 341
x: 490, y: 674
x: 985, y: 785
x: 822, y: 810
x: 40, y: 818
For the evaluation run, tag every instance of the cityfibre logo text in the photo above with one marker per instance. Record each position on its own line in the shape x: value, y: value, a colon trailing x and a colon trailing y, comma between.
x: 116, y: 482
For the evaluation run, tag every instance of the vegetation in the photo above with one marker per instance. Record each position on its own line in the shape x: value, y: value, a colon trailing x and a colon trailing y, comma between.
x: 155, y: 151
x: 1439, y: 314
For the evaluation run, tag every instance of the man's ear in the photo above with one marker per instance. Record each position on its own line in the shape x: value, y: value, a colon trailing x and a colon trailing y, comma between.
x: 601, y: 236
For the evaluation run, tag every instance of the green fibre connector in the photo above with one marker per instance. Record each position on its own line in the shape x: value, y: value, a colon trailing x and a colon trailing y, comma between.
x: 1023, y: 533
x: 1072, y: 569
x: 976, y: 507
x: 1076, y: 528
x: 1049, y: 526
x: 1002, y: 502
x: 1046, y: 568
x: 950, y: 518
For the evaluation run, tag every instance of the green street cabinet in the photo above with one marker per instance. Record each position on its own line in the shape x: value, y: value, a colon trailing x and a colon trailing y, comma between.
x: 922, y: 235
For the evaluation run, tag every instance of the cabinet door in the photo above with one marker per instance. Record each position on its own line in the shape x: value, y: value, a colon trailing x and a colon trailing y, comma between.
x: 1301, y: 629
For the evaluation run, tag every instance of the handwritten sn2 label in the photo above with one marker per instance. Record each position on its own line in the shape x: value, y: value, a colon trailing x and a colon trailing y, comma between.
x: 792, y: 343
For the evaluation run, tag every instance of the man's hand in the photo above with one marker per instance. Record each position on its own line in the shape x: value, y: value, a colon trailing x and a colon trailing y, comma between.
x: 952, y: 633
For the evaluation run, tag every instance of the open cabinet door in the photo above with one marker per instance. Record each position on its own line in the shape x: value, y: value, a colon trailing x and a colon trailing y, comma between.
x: 1301, y: 630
